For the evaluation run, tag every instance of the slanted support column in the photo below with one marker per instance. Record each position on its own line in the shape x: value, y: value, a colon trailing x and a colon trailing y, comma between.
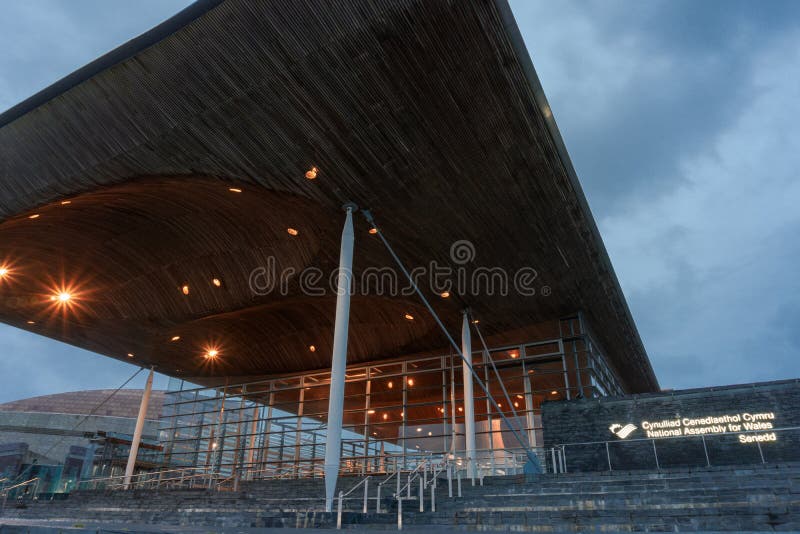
x: 137, y: 433
x: 469, y: 398
x: 339, y: 360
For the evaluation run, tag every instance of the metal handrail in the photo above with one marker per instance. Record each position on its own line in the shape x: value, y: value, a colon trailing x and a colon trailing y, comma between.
x: 342, y: 495
x: 8, y: 490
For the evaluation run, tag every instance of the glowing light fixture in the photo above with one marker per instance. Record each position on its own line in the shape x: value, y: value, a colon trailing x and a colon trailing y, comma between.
x: 430, y: 433
x: 185, y: 289
x: 175, y: 338
x: 475, y: 321
x: 554, y: 392
x: 211, y: 354
x: 444, y: 294
x: 63, y: 297
x: 312, y: 348
x: 390, y: 384
x: 460, y: 409
x: 410, y: 381
x: 234, y: 190
x: 31, y: 322
x: 409, y: 317
x: 385, y: 416
x: 514, y: 354
x: 516, y: 404
x: 311, y: 173
x: 34, y: 216
x: 419, y: 429
x: 65, y: 202
x: 292, y: 231
x: 370, y: 412
x: 217, y: 282
x: 373, y: 230
x: 3, y: 271
x: 130, y: 355
x: 520, y: 397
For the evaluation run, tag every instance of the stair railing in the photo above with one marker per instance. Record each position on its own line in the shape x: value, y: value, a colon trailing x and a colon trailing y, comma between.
x: 6, y: 491
x: 342, y: 495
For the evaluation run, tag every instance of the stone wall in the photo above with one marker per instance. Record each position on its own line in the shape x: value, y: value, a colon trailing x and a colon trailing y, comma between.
x: 731, y: 425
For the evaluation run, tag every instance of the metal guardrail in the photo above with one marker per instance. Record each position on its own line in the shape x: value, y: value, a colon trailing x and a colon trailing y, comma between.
x: 10, y: 489
x: 703, y: 440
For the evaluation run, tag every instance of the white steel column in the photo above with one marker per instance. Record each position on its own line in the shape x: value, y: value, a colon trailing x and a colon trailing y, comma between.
x: 339, y: 360
x: 469, y: 400
x: 137, y: 433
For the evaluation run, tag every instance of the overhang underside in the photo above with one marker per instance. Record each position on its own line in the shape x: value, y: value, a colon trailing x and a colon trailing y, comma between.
x: 426, y: 112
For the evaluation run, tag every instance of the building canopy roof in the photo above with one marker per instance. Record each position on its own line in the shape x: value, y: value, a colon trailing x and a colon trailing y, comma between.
x: 120, y: 183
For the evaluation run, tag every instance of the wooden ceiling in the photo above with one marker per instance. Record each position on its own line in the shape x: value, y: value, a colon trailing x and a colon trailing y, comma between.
x: 426, y: 112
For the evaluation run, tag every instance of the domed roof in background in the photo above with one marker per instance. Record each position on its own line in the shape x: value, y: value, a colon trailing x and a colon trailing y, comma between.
x: 125, y: 403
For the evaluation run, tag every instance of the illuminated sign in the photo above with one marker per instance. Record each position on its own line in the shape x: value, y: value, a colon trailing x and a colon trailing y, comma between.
x: 743, y: 423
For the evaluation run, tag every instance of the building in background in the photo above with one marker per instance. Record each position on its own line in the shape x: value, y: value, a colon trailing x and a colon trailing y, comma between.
x: 70, y: 436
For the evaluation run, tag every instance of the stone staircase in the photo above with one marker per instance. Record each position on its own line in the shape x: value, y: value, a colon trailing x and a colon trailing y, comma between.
x: 758, y: 498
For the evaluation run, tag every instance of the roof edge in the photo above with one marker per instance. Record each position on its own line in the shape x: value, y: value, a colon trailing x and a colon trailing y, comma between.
x: 109, y: 59
x: 521, y: 51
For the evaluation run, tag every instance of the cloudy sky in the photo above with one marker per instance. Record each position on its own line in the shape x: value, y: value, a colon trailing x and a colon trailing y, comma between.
x: 681, y: 118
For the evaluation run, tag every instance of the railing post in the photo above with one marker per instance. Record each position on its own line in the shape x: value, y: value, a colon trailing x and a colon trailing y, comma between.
x: 366, y: 494
x: 458, y: 479
x: 421, y: 495
x: 408, y: 486
x: 553, y: 463
x: 339, y: 512
x: 655, y: 455
x: 608, y: 456
x: 705, y: 450
x: 563, y: 459
x: 449, y: 481
x: 399, y: 512
x: 433, y: 496
x: 378, y: 500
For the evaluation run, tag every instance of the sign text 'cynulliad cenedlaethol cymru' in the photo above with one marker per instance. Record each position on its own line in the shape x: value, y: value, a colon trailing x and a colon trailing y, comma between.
x: 746, y: 424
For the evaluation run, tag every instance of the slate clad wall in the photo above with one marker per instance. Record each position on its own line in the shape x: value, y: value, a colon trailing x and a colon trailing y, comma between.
x: 583, y: 426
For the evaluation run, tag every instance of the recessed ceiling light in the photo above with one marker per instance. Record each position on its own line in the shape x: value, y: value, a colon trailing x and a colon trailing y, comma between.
x: 211, y: 354
x: 175, y: 338
x: 216, y: 281
x: 292, y: 231
x: 409, y: 317
x: 514, y: 354
x: 444, y: 294
x: 460, y: 409
x: 370, y: 412
x: 312, y: 348
x: 185, y: 289
x: 385, y: 416
x: 419, y: 429
x: 31, y: 322
x: 554, y: 392
x: 34, y: 216
x: 373, y: 230
x: 475, y: 321
x: 3, y: 271
x: 65, y: 202
x: 410, y: 381
x: 64, y: 296
x: 430, y: 433
x: 130, y: 355
x: 311, y: 173
x: 234, y: 190
x: 520, y: 397
x: 390, y: 384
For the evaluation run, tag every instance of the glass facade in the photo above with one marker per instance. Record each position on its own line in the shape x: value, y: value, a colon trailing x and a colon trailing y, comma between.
x: 395, y: 412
